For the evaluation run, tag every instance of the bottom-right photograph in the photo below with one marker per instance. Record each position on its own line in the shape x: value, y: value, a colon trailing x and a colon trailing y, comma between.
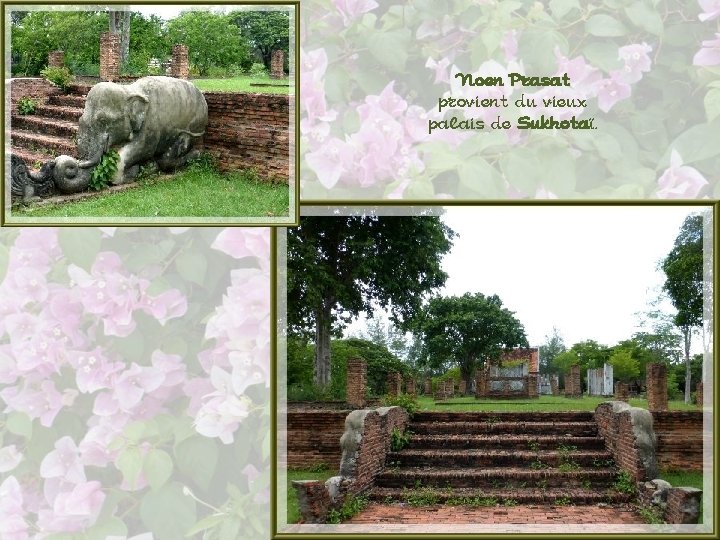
x: 496, y: 369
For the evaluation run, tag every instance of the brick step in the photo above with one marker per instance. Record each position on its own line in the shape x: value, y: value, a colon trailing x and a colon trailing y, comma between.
x: 505, y: 477
x: 30, y: 157
x: 44, y: 125
x: 566, y: 416
x: 59, y: 112
x: 48, y: 144
x: 578, y: 429
x: 78, y: 89
x: 519, y: 442
x: 577, y: 496
x: 495, y: 458
x: 67, y: 101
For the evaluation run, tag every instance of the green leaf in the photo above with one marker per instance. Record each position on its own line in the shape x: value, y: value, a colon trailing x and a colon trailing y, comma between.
x: 712, y: 104
x: 390, y: 48
x: 197, y: 457
x: 537, y: 48
x: 130, y: 464
x: 602, y: 25
x: 191, y: 266
x: 80, y: 245
x: 19, y: 423
x: 560, y: 8
x: 643, y: 16
x: 4, y: 260
x: 478, y: 176
x: 158, y: 467
x: 229, y: 530
x: 696, y: 144
x: 521, y: 169
x: 111, y: 527
x: 168, y: 512
x: 206, y: 523
x: 602, y: 54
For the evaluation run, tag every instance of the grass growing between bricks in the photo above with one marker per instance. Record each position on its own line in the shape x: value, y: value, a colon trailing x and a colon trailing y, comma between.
x: 293, y: 508
x: 243, y: 84
x: 541, y: 404
x: 198, y: 191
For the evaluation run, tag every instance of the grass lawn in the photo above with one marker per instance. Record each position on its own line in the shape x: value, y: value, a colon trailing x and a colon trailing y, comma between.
x: 293, y: 510
x: 197, y: 191
x: 543, y: 403
x: 243, y: 84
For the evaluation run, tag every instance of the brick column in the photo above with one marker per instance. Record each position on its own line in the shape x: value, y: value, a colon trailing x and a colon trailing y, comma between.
x: 656, y: 384
x: 356, y: 382
x: 428, y: 387
x: 313, y: 500
x: 533, y: 385
x: 683, y: 505
x: 554, y: 385
x: 573, y: 386
x: 109, y: 56
x: 277, y: 61
x: 622, y: 391
x: 463, y: 387
x: 394, y: 383
x: 699, y: 394
x: 480, y: 384
x: 410, y: 386
x: 180, y: 66
x: 56, y: 59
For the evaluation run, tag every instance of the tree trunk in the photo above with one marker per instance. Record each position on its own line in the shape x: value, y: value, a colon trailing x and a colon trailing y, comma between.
x: 125, y: 38
x: 466, y: 373
x: 688, y: 385
x: 322, y: 344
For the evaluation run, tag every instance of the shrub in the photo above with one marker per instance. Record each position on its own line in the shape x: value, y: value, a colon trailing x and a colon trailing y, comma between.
x: 105, y: 170
x: 352, y: 506
x: 399, y: 439
x: 60, y: 76
x: 216, y: 72
x: 258, y: 70
x: 625, y: 483
x: 406, y: 401
x: 26, y: 105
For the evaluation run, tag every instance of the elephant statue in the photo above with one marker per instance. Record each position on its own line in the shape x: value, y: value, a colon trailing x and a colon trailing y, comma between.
x: 153, y: 119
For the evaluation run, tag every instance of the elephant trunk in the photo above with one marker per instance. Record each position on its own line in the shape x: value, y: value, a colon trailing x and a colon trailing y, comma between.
x: 94, y: 150
x: 69, y: 177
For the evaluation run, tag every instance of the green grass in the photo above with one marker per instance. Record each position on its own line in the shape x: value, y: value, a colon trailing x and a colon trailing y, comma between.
x: 293, y: 509
x: 243, y: 84
x: 198, y: 191
x: 543, y: 403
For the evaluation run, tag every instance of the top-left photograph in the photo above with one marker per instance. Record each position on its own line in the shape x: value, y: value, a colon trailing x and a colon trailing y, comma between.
x: 150, y: 114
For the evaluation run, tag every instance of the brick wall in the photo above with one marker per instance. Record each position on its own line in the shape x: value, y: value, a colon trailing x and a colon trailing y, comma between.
x: 573, y: 386
x: 410, y: 386
x: 313, y: 437
x: 529, y: 354
x: 356, y: 382
x: 428, y: 387
x: 656, y: 385
x: 35, y: 87
x: 179, y: 66
x: 394, y: 383
x: 554, y: 385
x: 56, y: 59
x: 680, y: 439
x: 632, y: 447
x: 109, y: 56
x: 277, y: 61
x: 622, y: 391
x: 250, y: 131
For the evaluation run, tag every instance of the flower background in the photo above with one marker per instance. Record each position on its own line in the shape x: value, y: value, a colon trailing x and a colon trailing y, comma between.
x: 134, y: 383
x: 372, y: 72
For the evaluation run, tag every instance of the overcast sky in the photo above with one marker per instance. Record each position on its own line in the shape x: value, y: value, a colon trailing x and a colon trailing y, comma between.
x: 585, y: 270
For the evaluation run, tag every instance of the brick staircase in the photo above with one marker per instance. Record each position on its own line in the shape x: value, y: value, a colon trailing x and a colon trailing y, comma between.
x: 51, y: 130
x: 523, y: 458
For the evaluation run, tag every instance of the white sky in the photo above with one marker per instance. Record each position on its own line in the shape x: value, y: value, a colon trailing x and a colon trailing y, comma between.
x: 585, y: 270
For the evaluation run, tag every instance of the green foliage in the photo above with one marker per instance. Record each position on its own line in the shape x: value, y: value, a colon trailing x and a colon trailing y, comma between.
x: 60, y: 76
x: 399, y: 439
x: 625, y: 367
x: 421, y: 496
x: 266, y: 31
x: 26, y: 105
x: 212, y: 39
x: 651, y: 515
x: 553, y: 346
x: 406, y: 401
x: 625, y: 483
x: 509, y: 502
x: 105, y: 170
x: 258, y: 70
x: 563, y: 501
x: 568, y: 466
x: 538, y: 465
x: 351, y: 507
x: 319, y: 468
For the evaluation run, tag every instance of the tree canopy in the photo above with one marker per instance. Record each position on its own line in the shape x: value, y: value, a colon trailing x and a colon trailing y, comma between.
x: 553, y: 346
x: 339, y: 266
x: 468, y: 330
x: 266, y: 31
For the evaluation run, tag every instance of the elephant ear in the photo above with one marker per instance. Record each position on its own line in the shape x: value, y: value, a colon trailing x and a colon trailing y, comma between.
x: 136, y: 107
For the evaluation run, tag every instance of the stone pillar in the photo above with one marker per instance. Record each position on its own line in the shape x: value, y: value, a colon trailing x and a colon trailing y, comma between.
x: 356, y: 382
x: 699, y: 394
x: 554, y: 385
x: 622, y: 391
x: 56, y: 59
x: 533, y: 385
x: 573, y: 386
x: 410, y: 386
x: 180, y: 66
x: 394, y: 383
x: 277, y: 61
x: 463, y: 387
x: 656, y: 384
x: 109, y: 56
x: 428, y: 387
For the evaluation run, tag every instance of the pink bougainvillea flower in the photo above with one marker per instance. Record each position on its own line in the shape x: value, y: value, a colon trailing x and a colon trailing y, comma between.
x: 636, y: 61
x: 241, y: 242
x: 165, y: 306
x: 9, y: 458
x: 509, y: 44
x: 353, y: 9
x: 12, y: 522
x: 331, y: 161
x: 93, y: 371
x: 144, y: 536
x: 172, y: 367
x: 611, y: 91
x: 711, y: 10
x: 64, y: 462
x: 680, y: 181
x: 709, y: 55
x: 312, y: 89
x: 441, y: 69
x: 44, y: 402
x: 75, y: 509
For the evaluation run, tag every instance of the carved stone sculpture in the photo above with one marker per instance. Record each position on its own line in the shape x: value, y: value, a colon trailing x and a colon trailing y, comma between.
x: 153, y: 119
x: 29, y: 186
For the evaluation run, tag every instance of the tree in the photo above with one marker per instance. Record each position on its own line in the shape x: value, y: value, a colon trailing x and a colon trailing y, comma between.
x: 553, y: 346
x: 469, y: 330
x: 266, y: 31
x: 587, y: 354
x: 339, y: 266
x: 120, y: 24
x: 211, y: 38
x: 683, y: 268
x: 385, y: 333
x: 625, y: 367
